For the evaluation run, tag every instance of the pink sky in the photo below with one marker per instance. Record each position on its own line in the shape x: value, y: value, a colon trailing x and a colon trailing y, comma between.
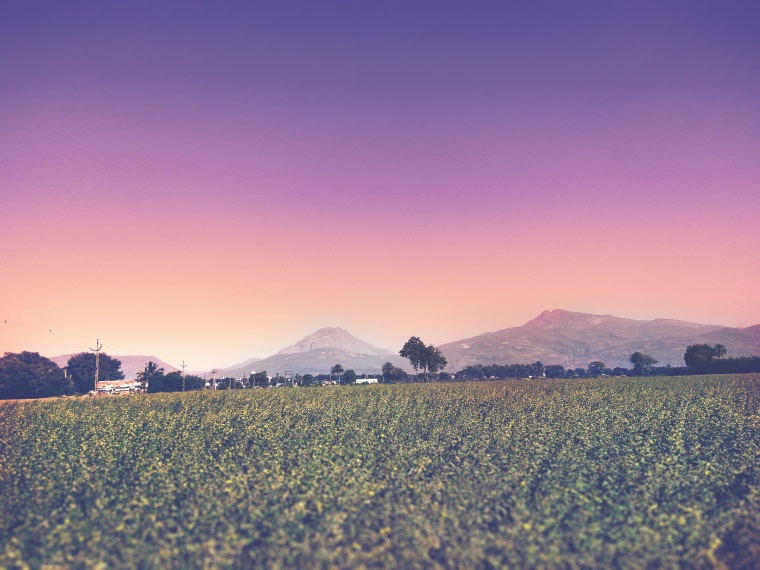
x: 214, y: 185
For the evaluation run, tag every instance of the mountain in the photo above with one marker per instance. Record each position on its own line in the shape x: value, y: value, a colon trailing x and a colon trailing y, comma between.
x: 318, y: 353
x: 130, y: 365
x: 335, y: 338
x: 576, y: 339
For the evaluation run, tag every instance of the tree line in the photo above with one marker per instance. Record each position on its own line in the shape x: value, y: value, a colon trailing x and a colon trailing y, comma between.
x: 699, y: 359
x: 30, y: 375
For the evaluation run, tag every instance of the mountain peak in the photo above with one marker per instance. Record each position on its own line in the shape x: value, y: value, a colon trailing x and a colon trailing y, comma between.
x: 318, y: 352
x: 333, y: 337
x: 558, y: 318
x: 553, y: 315
x: 575, y: 339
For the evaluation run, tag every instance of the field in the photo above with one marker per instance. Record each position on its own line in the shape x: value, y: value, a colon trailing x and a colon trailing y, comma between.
x: 632, y: 472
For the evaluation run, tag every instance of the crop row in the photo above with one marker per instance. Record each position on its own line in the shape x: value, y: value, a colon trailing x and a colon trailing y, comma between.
x: 611, y: 472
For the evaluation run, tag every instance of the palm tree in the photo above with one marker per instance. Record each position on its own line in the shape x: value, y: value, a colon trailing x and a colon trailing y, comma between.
x: 150, y: 372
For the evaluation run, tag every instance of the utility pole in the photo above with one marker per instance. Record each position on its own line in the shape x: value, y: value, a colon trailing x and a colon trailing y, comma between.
x: 214, y: 379
x: 183, y: 365
x: 96, y: 350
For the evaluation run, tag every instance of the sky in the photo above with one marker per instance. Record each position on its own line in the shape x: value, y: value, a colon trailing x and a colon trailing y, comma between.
x: 212, y: 181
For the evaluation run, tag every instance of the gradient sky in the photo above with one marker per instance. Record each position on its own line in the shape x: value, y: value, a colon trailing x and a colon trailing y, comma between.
x: 212, y: 181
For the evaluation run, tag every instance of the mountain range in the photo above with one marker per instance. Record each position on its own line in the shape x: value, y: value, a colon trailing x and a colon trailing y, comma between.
x: 553, y: 337
x: 576, y: 339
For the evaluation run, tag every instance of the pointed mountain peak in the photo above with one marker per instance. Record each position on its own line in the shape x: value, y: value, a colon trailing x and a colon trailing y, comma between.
x: 333, y: 337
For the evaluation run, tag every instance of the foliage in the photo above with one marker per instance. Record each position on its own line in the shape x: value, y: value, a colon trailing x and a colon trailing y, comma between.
x: 81, y: 368
x: 171, y: 382
x: 699, y: 357
x: 596, y: 368
x: 392, y: 374
x: 348, y: 377
x: 494, y: 371
x: 428, y: 358
x: 642, y: 363
x: 193, y: 382
x: 229, y: 383
x: 29, y: 375
x: 554, y: 371
x: 740, y: 364
x: 259, y: 379
x: 336, y: 370
x: 152, y: 378
x: 600, y: 473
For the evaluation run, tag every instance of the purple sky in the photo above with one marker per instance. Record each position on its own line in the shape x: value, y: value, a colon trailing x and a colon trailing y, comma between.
x: 241, y: 173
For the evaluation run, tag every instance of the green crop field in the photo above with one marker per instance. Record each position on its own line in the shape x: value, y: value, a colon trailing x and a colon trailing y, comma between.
x: 626, y: 472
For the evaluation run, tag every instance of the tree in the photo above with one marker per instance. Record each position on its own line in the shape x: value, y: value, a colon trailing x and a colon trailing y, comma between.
x: 596, y: 368
x: 414, y: 351
x: 337, y: 370
x: 348, y: 377
x: 537, y: 369
x: 193, y: 382
x: 260, y: 379
x: 642, y: 364
x: 392, y: 374
x: 29, y: 375
x: 151, y: 377
x: 81, y: 368
x: 426, y: 358
x: 171, y: 382
x: 278, y: 380
x: 435, y: 360
x: 699, y: 357
x: 554, y: 371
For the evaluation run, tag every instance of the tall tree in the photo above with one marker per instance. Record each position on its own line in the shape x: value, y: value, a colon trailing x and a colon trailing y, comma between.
x: 435, y: 361
x: 151, y: 377
x: 337, y: 370
x: 81, y: 368
x: 642, y: 364
x: 414, y: 351
x: 596, y: 368
x: 423, y: 357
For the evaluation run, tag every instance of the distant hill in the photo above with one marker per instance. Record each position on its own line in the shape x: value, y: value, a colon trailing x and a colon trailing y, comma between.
x: 564, y: 337
x: 318, y: 352
x: 130, y: 365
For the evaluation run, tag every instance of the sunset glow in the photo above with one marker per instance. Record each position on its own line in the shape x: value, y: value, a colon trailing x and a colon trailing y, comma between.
x: 213, y: 181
